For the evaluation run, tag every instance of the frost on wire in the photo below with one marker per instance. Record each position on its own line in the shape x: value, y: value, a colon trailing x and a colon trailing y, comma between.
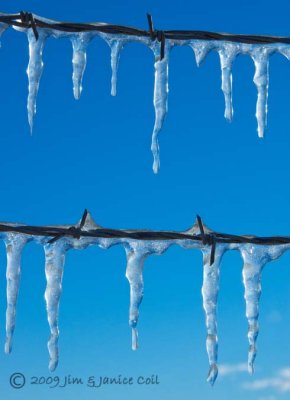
x: 254, y: 257
x: 227, y: 51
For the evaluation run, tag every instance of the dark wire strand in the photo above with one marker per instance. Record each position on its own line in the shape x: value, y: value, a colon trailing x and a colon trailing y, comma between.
x: 28, y: 20
x: 77, y: 231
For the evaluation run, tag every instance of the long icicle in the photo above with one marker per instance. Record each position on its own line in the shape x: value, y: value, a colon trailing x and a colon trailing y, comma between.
x: 34, y: 70
x: 54, y: 263
x: 260, y: 56
x: 14, y: 245
x: 255, y: 257
x: 210, y: 290
x: 160, y: 99
x: 252, y: 270
x: 134, y: 273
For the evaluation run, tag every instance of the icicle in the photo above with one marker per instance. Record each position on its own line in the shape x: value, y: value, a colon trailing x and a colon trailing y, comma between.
x: 284, y: 50
x: 260, y: 56
x: 136, y: 254
x: 116, y: 46
x: 80, y: 43
x: 255, y: 257
x: 160, y: 99
x: 227, y: 54
x: 210, y: 289
x: 54, y: 263
x: 201, y: 49
x: 14, y: 245
x: 34, y: 70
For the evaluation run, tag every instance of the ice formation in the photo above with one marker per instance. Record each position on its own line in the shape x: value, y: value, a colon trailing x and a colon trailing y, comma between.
x: 116, y: 43
x: 134, y: 273
x: 160, y: 100
x: 227, y: 51
x: 14, y: 245
x: 227, y: 54
x: 80, y: 43
x: 54, y: 265
x: 34, y: 71
x: 255, y: 257
x: 210, y: 290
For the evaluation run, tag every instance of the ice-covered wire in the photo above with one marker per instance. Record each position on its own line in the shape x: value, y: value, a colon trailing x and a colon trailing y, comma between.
x: 29, y: 20
x: 255, y: 251
x: 76, y: 231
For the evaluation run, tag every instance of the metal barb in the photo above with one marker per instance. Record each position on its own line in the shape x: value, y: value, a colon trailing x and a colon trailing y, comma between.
x: 29, y: 21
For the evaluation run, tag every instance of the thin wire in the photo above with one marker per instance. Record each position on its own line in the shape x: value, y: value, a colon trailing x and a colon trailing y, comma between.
x: 28, y: 20
x: 78, y: 231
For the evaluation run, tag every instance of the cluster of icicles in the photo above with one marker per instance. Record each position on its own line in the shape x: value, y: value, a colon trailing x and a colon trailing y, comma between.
x: 227, y: 51
x: 254, y: 258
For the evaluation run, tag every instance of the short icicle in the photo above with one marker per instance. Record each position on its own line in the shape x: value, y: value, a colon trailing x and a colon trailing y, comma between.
x: 34, y: 70
x: 54, y: 264
x: 136, y: 255
x: 160, y: 99
x: 14, y: 245
x: 201, y: 48
x: 260, y: 56
x: 227, y: 54
x: 210, y: 290
x: 80, y: 43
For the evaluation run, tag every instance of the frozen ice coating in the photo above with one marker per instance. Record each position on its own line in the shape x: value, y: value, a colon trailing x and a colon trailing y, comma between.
x: 135, y: 263
x: 34, y: 70
x: 116, y: 44
x: 252, y: 281
x: 116, y: 47
x: 201, y: 49
x: 80, y: 43
x: 210, y: 290
x: 54, y: 264
x: 227, y: 53
x: 255, y: 257
x: 14, y: 245
x: 160, y: 100
x: 260, y: 56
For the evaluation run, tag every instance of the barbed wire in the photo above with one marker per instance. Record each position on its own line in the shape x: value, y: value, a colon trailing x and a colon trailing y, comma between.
x: 29, y: 20
x: 205, y: 237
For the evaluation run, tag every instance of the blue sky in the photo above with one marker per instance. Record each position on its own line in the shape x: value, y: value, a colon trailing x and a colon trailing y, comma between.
x: 95, y: 153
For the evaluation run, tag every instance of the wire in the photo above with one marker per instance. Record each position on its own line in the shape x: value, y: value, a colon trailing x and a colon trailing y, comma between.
x: 207, y: 238
x: 29, y: 20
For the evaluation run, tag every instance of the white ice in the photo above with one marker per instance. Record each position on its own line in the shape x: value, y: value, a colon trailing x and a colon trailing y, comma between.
x: 80, y: 43
x: 34, y: 70
x: 136, y: 252
x: 14, y: 245
x: 255, y: 257
x: 160, y: 99
x: 210, y: 290
x: 201, y: 48
x: 260, y: 56
x: 227, y: 53
x: 136, y: 255
x: 54, y: 266
x: 116, y: 43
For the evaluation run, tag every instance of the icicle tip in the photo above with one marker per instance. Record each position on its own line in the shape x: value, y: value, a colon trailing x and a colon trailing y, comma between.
x: 212, y: 374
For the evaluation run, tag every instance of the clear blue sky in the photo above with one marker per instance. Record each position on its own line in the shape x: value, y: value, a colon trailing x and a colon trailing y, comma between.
x: 95, y: 153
